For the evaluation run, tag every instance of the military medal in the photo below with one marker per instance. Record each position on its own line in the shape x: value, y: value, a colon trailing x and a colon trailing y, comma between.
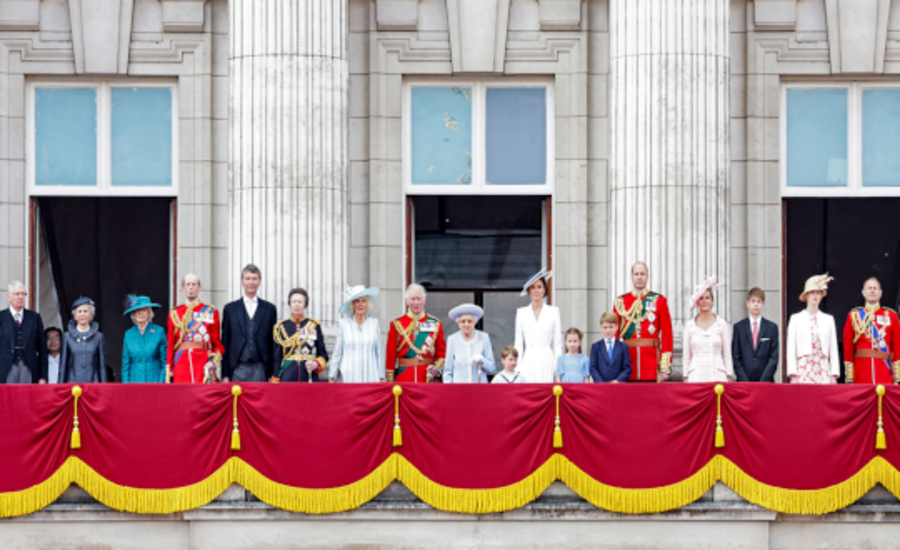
x: 651, y: 316
x: 651, y: 329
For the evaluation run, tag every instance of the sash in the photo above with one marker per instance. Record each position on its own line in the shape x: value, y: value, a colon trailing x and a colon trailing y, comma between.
x: 875, y: 335
x: 191, y: 328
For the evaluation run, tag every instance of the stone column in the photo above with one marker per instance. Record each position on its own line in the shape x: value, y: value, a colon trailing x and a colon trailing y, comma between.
x: 289, y: 157
x: 668, y: 176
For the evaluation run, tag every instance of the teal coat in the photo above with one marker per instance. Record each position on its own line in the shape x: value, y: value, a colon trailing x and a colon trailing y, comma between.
x: 144, y: 355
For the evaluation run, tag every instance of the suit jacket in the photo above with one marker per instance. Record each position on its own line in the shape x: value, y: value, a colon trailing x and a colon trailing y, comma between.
x: 235, y: 337
x: 604, y: 370
x: 755, y: 365
x: 35, y: 351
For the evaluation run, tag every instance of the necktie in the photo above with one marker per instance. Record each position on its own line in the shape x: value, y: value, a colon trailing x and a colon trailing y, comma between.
x: 609, y: 349
x: 755, y: 333
x: 19, y: 318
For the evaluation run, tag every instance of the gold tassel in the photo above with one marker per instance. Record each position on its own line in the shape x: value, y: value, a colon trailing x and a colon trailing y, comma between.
x: 398, y: 435
x: 235, y: 434
x: 76, y: 434
x: 557, y: 432
x: 720, y: 433
x: 880, y: 442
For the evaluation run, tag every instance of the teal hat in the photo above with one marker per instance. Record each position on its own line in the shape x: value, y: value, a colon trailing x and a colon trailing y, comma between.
x: 358, y: 291
x: 134, y: 303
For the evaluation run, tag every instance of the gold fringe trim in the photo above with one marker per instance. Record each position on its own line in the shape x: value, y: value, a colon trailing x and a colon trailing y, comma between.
x: 478, y: 501
x: 470, y: 501
x: 639, y: 501
x: 117, y: 497
x: 316, y: 501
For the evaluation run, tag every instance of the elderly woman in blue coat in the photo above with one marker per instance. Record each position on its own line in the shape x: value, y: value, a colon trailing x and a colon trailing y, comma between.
x: 84, y: 349
x: 470, y: 357
x: 144, y: 349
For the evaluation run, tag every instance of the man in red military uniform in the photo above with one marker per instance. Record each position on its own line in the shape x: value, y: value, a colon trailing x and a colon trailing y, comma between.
x: 871, y: 340
x: 646, y: 328
x: 195, y: 350
x: 415, y: 344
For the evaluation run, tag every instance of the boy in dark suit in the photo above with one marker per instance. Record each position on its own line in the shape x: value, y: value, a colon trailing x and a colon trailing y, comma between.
x: 610, y: 360
x: 754, y: 347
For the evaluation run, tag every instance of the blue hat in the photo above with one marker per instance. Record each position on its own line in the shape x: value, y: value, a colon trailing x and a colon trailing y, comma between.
x: 134, y: 303
x: 542, y: 274
x: 83, y: 301
x: 466, y: 309
x: 358, y: 291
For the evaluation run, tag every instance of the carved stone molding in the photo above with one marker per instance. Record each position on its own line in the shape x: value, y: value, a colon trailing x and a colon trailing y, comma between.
x: 20, y: 15
x: 560, y: 15
x: 857, y: 35
x: 397, y: 15
x: 183, y: 15
x: 96, y: 24
x: 775, y: 14
x: 479, y: 46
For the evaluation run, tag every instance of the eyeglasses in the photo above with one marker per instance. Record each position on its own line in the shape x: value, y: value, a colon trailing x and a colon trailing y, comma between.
x: 51, y: 338
x: 18, y: 293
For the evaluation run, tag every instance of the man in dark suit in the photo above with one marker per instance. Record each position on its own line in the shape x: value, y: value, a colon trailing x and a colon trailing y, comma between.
x: 610, y: 360
x: 23, y: 344
x: 247, y: 333
x: 754, y: 347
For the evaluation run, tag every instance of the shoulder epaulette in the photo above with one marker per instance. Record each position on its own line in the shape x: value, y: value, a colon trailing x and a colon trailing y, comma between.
x: 890, y: 309
x: 433, y: 318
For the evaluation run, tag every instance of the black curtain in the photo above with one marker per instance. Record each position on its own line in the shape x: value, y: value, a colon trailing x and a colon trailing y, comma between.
x: 106, y: 248
x: 850, y: 238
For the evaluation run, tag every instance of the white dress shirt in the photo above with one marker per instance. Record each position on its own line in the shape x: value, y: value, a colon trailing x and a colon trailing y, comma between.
x: 53, y: 368
x: 20, y: 312
x: 250, y: 304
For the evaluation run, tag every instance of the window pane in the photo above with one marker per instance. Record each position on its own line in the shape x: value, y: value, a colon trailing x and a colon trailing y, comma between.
x: 441, y: 135
x: 483, y: 242
x: 881, y: 137
x: 817, y: 138
x: 65, y: 136
x: 141, y: 135
x: 516, y: 135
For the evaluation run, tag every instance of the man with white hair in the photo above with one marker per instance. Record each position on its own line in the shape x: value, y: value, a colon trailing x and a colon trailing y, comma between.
x: 23, y: 344
x: 195, y: 349
x: 415, y: 344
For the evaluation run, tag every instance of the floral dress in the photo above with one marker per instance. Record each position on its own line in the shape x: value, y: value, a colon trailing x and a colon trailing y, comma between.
x: 814, y: 368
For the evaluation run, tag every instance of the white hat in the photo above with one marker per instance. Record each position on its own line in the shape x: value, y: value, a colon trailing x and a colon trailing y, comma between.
x: 466, y: 309
x: 354, y: 292
x: 542, y: 274
x: 816, y: 282
x: 708, y: 284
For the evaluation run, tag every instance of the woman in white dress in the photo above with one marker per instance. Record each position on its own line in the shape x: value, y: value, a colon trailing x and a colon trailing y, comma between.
x: 538, y: 332
x: 357, y: 353
x: 707, y: 340
x: 812, y: 352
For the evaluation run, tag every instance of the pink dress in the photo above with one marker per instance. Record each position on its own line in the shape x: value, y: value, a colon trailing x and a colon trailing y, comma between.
x: 814, y: 368
x: 707, y: 353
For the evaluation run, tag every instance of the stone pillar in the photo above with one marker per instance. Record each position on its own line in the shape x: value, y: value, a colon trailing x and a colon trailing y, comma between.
x: 668, y: 176
x: 289, y: 157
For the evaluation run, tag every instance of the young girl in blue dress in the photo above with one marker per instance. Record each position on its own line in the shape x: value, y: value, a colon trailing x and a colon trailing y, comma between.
x: 573, y: 367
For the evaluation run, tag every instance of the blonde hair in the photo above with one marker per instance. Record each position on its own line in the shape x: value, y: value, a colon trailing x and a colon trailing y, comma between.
x: 609, y: 317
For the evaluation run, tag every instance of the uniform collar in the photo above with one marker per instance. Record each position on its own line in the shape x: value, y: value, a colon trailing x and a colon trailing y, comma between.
x: 297, y: 320
x: 873, y: 308
x: 412, y: 315
x: 640, y: 295
x: 194, y: 304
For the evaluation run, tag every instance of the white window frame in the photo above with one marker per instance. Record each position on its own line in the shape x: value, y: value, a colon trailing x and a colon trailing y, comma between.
x: 854, y: 187
x: 104, y: 187
x: 479, y: 185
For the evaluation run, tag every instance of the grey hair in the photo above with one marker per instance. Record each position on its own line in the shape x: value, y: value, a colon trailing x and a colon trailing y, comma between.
x: 415, y: 286
x: 148, y: 320
x: 251, y: 268
x: 13, y: 286
x: 183, y: 279
x: 90, y: 307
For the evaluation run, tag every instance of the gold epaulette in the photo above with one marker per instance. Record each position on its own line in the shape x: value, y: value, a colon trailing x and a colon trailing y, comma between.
x: 433, y: 318
x: 889, y: 309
